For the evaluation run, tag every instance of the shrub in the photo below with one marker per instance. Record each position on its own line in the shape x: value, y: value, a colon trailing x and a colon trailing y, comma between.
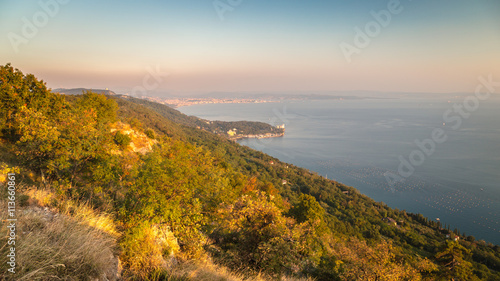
x: 150, y: 133
x: 146, y: 249
x: 254, y: 233
x: 122, y: 140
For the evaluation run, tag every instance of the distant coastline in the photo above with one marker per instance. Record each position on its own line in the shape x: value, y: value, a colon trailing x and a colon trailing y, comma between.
x: 180, y: 102
x: 259, y: 136
x: 228, y: 98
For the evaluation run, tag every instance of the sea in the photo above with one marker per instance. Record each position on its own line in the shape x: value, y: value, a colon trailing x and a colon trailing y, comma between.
x: 435, y: 155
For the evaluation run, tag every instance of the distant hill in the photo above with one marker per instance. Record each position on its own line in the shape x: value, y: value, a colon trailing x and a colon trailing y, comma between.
x: 79, y: 91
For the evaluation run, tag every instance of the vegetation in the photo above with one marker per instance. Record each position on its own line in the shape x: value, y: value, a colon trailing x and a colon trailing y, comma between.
x: 240, y: 128
x: 193, y: 205
x: 71, y: 244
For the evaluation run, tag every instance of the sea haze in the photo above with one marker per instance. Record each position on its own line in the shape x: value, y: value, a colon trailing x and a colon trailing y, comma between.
x: 358, y: 142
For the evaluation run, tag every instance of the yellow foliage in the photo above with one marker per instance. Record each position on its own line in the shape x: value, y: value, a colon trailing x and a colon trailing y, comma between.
x: 378, y: 262
x: 146, y: 249
x: 5, y: 169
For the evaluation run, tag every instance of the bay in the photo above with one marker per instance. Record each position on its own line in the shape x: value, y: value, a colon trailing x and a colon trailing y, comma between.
x: 360, y: 143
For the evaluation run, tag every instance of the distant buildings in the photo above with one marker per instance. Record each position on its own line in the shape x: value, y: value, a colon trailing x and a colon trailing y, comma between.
x: 178, y: 102
x: 453, y: 237
x: 390, y: 221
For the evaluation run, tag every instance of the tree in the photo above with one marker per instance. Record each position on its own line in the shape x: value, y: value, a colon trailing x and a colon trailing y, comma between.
x: 377, y: 262
x: 253, y: 232
x: 122, y: 140
x: 84, y: 142
x: 18, y: 90
x: 62, y: 145
x: 309, y: 213
x: 105, y: 109
x: 308, y: 209
x: 177, y: 185
x: 38, y: 142
x: 454, y: 265
x: 150, y: 133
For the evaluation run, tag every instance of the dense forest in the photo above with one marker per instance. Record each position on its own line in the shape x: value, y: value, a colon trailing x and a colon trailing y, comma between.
x: 109, y: 187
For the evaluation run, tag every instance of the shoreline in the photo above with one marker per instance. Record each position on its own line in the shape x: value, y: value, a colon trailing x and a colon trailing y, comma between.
x: 182, y: 102
x: 228, y: 102
x: 262, y: 136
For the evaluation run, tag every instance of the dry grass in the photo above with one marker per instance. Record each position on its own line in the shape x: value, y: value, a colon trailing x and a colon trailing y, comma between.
x: 81, y: 212
x: 211, y: 272
x: 59, y: 246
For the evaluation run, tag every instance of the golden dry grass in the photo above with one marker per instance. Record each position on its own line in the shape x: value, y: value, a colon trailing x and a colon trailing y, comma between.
x: 81, y: 212
x: 209, y: 271
x: 59, y: 246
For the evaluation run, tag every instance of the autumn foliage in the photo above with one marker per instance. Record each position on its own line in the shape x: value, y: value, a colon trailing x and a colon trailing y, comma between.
x: 192, y: 196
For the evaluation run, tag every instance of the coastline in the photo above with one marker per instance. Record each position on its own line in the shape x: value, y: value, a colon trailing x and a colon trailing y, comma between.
x: 362, y: 171
x: 260, y: 136
x: 182, y: 102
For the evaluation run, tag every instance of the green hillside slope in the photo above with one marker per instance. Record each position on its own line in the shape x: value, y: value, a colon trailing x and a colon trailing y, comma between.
x: 191, y: 204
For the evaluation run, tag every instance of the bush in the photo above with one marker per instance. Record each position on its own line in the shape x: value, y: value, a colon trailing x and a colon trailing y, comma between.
x: 122, y: 140
x: 150, y: 133
x: 147, y: 249
x: 254, y: 233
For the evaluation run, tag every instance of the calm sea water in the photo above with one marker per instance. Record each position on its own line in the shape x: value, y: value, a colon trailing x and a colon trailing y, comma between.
x: 359, y: 142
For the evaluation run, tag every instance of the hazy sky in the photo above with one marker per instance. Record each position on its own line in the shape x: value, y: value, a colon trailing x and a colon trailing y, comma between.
x: 253, y: 45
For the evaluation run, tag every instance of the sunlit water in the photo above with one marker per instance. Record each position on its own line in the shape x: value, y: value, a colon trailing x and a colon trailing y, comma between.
x: 358, y: 142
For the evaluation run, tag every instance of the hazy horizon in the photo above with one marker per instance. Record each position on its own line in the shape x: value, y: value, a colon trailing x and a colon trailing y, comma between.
x: 197, y: 47
x: 283, y: 93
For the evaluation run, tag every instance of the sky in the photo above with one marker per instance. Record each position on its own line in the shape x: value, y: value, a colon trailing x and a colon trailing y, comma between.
x: 187, y: 47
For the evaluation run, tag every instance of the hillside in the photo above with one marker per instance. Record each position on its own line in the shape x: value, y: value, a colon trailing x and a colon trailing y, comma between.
x: 230, y: 129
x: 80, y: 91
x: 171, y: 201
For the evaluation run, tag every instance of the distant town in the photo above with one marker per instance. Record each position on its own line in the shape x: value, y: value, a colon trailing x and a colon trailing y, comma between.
x: 178, y: 102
